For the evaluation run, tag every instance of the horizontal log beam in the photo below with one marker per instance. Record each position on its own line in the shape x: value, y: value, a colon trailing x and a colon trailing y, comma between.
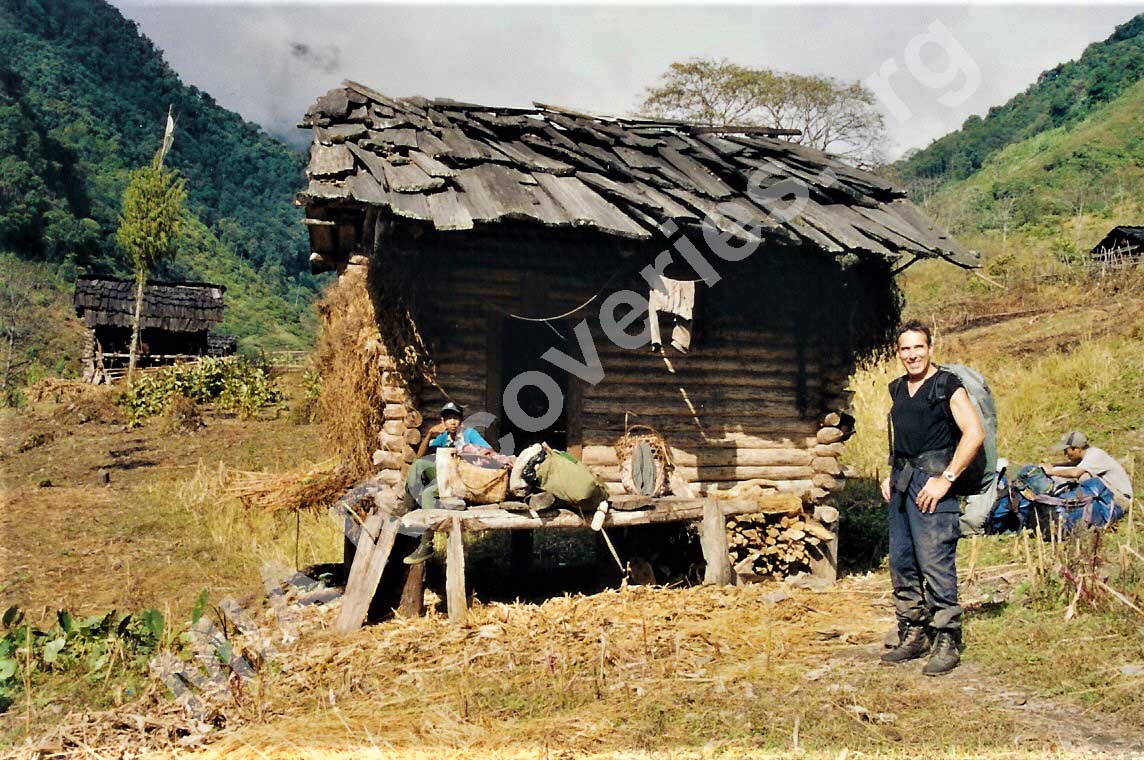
x: 668, y: 509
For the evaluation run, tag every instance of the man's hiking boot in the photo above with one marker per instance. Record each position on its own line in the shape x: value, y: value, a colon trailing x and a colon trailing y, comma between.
x: 914, y: 643
x: 423, y: 551
x: 945, y: 655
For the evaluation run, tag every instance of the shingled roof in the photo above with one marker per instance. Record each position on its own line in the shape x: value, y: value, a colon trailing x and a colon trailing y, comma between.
x: 1128, y: 238
x: 174, y: 306
x: 457, y: 165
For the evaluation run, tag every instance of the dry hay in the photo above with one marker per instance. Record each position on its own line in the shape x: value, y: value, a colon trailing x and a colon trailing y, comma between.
x: 569, y: 667
x: 57, y: 390
x: 77, y: 402
x: 312, y: 489
x: 348, y: 350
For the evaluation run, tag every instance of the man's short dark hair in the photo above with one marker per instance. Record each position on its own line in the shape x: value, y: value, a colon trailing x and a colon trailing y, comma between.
x: 914, y: 325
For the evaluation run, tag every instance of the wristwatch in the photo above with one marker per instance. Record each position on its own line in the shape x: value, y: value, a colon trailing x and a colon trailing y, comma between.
x: 949, y: 476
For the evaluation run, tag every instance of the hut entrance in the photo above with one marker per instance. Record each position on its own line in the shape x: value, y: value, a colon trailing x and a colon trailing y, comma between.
x: 523, y: 345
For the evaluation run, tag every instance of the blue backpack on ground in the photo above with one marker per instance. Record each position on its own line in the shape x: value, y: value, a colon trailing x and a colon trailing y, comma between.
x: 1032, y: 498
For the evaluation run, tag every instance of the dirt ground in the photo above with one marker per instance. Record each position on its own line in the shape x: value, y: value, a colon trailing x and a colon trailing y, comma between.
x: 68, y: 541
x: 702, y: 672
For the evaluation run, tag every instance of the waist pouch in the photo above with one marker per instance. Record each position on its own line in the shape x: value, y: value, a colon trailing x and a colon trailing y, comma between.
x: 932, y: 463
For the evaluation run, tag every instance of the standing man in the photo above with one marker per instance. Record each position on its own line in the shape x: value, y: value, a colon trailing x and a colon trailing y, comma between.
x: 935, y: 435
x: 1090, y: 462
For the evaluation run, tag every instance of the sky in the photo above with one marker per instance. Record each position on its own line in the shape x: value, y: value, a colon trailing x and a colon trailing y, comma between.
x: 930, y: 66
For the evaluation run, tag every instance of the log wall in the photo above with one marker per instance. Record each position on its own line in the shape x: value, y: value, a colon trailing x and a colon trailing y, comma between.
x: 745, y: 404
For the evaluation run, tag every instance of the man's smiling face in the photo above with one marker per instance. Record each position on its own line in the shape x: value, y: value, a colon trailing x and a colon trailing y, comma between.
x: 914, y: 351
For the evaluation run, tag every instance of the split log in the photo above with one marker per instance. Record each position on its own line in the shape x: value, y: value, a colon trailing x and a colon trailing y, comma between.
x: 413, y: 418
x: 392, y: 394
x: 827, y: 482
x: 393, y: 427
x: 394, y: 412
x: 827, y: 465
x: 412, y: 436
x: 829, y: 449
x: 387, y: 460
x: 830, y: 435
x: 725, y: 474
x: 387, y: 442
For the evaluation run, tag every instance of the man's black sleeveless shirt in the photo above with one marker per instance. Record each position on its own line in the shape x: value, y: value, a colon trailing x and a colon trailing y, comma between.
x: 923, y: 422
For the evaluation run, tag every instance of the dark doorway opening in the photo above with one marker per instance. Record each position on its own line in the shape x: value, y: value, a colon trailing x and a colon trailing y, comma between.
x: 523, y: 344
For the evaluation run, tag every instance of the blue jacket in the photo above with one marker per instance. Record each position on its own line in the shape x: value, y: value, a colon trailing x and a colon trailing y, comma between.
x: 467, y: 435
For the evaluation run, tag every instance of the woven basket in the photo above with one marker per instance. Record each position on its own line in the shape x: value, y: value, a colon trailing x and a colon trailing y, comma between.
x: 633, y: 436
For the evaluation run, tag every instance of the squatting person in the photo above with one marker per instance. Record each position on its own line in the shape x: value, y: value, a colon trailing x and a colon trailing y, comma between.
x: 420, y: 481
x: 936, y: 434
x: 1086, y: 461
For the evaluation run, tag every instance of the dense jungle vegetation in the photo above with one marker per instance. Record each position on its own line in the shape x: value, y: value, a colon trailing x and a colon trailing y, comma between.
x: 83, y: 100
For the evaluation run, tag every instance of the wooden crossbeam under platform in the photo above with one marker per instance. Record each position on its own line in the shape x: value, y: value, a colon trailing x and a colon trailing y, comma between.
x: 376, y: 540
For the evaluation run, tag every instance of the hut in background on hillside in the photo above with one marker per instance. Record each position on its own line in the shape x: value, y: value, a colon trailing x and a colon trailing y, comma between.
x: 1123, y: 246
x: 492, y: 242
x: 177, y: 320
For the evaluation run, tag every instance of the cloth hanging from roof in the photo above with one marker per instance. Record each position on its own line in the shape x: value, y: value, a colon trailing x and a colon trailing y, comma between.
x: 677, y: 301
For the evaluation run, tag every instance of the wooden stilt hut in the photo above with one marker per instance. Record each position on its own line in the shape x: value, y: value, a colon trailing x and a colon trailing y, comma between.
x: 505, y: 243
x: 176, y: 324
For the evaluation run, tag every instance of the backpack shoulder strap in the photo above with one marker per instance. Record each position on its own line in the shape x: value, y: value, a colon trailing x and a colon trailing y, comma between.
x: 895, y: 386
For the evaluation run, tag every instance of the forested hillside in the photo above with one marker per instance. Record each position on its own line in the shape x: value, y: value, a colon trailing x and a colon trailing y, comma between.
x: 1093, y: 166
x: 83, y: 100
x: 1060, y: 98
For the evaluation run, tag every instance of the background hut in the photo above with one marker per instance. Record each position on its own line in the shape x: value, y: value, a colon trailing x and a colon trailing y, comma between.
x: 487, y: 237
x: 1123, y: 246
x: 176, y: 322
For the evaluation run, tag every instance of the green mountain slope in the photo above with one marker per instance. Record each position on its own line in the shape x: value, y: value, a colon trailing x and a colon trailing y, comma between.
x: 1062, y: 96
x: 1093, y: 165
x: 83, y: 100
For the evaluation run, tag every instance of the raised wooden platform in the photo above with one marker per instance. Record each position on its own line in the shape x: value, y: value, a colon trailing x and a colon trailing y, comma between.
x: 375, y: 541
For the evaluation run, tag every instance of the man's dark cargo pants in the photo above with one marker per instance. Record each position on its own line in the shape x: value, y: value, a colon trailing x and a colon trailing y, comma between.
x: 922, y: 556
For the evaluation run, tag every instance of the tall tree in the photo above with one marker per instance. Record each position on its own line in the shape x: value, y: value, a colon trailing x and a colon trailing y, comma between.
x: 149, y: 226
x: 834, y: 116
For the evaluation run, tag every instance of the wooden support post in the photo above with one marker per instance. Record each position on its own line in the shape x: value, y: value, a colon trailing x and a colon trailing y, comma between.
x: 369, y: 562
x: 520, y: 554
x: 413, y: 594
x: 713, y: 539
x: 827, y: 566
x: 455, y: 597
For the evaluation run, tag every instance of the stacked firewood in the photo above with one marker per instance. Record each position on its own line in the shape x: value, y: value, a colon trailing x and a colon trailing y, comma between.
x: 775, y: 544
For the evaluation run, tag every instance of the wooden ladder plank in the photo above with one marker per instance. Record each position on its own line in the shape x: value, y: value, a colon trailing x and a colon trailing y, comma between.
x: 369, y: 562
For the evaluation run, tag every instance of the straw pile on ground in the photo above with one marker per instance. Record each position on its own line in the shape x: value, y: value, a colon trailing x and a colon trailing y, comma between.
x: 309, y: 490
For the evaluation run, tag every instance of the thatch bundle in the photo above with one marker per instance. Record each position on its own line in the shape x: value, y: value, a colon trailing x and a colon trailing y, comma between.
x: 313, y: 489
x: 348, y: 353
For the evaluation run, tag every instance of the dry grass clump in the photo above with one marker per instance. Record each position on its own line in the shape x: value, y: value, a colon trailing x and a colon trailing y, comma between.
x: 313, y: 489
x: 77, y: 402
x: 182, y: 415
x: 347, y: 354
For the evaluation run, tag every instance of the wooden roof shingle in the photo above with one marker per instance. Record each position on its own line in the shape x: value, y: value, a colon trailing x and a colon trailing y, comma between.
x: 174, y: 306
x: 455, y: 164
